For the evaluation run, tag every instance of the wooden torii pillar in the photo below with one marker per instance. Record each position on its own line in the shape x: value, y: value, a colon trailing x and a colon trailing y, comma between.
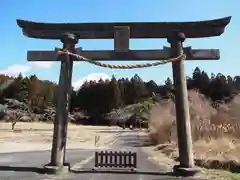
x: 175, y: 32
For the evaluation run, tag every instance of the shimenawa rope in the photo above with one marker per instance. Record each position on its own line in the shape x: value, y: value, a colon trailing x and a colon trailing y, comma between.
x: 111, y: 66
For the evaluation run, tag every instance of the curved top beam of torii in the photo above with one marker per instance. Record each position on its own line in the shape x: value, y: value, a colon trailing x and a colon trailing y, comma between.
x: 102, y: 30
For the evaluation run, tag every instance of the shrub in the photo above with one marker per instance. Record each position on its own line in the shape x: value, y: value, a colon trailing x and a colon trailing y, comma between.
x: 206, y: 122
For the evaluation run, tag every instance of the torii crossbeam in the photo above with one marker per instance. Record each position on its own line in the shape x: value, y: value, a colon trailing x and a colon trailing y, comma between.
x: 139, y: 55
x: 175, y: 32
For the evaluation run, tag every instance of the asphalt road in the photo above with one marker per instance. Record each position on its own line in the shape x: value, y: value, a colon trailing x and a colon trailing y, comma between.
x: 26, y: 165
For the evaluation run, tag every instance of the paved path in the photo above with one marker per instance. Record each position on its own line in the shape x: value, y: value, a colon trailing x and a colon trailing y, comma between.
x: 25, y: 165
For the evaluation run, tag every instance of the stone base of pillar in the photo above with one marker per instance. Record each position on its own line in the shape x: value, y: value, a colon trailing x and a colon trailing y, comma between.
x: 52, y: 169
x: 183, y: 171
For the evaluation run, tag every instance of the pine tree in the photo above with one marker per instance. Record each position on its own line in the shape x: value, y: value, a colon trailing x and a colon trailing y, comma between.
x: 139, y: 90
x: 115, y: 93
x: 23, y: 90
x: 169, y: 84
x: 14, y: 89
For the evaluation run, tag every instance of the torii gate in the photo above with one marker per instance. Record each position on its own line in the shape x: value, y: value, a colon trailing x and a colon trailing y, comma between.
x: 121, y: 32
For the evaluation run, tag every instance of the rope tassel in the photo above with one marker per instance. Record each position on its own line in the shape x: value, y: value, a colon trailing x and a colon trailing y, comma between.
x: 133, y: 66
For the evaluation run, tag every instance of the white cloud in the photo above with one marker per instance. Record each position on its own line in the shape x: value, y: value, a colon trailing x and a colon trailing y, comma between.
x: 15, y: 69
x: 41, y: 64
x: 91, y: 77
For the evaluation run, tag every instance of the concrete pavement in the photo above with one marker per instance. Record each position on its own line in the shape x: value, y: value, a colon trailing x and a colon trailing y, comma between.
x: 28, y: 165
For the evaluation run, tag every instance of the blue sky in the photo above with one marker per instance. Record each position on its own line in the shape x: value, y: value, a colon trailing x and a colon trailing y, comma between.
x: 14, y: 45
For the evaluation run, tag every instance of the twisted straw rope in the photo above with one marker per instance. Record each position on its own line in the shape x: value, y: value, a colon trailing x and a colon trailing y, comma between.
x: 97, y: 63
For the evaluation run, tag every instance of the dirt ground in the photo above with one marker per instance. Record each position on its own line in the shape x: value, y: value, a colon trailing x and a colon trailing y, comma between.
x: 38, y: 136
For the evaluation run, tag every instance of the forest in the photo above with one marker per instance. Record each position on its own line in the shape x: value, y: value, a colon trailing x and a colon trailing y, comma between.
x: 96, y: 99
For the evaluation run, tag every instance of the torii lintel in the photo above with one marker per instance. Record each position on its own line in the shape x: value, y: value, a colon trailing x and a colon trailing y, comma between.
x: 100, y: 30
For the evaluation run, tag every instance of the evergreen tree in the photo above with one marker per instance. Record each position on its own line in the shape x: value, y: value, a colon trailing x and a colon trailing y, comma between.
x: 23, y: 90
x: 115, y: 93
x: 169, y: 84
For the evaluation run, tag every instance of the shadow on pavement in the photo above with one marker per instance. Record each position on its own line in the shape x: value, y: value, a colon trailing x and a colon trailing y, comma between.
x: 87, y: 171
x: 112, y: 131
x: 24, y: 130
x: 22, y: 169
x: 43, y: 171
x: 83, y: 171
x: 136, y: 143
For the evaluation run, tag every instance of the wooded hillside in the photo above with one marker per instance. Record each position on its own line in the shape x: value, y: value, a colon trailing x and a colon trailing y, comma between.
x: 96, y: 99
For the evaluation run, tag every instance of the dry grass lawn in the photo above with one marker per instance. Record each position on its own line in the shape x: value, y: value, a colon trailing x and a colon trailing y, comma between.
x: 165, y: 155
x: 38, y: 136
x: 215, y: 132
